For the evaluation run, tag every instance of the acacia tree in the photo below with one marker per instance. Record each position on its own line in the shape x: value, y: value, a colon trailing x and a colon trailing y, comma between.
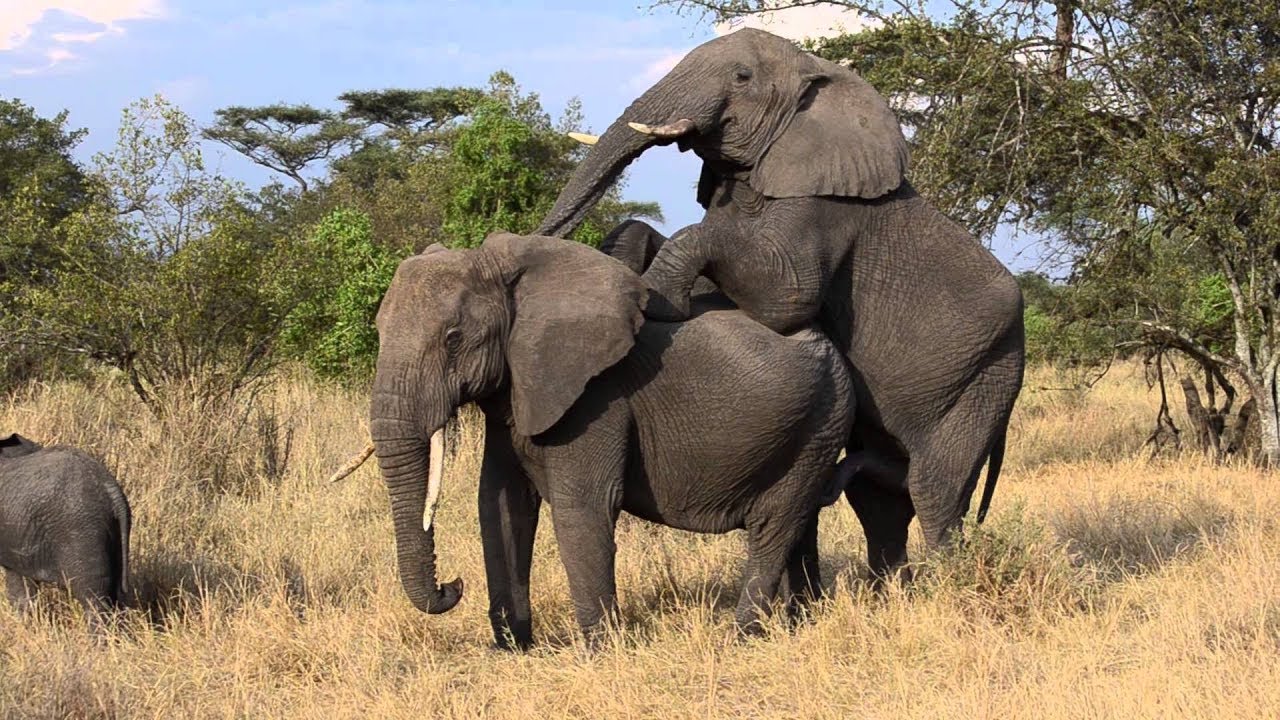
x: 1135, y: 138
x: 284, y: 138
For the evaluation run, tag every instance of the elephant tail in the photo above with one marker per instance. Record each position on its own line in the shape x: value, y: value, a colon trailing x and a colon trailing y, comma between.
x: 124, y: 526
x: 993, y: 474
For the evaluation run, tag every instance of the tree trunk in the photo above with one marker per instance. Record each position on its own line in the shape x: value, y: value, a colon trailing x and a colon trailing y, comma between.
x: 1204, y: 434
x: 1269, y: 424
x: 1064, y: 35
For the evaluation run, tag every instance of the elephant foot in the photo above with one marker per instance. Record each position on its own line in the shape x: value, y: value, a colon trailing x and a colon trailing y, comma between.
x: 509, y: 639
x: 880, y: 580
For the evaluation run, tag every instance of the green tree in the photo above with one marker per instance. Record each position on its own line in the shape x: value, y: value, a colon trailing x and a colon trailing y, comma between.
x: 40, y: 185
x: 509, y: 162
x: 171, y: 275
x: 284, y: 138
x: 333, y: 331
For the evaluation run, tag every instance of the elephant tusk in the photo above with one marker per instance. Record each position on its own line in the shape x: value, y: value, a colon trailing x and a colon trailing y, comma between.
x: 584, y: 138
x: 352, y: 464
x: 434, y: 474
x: 670, y: 130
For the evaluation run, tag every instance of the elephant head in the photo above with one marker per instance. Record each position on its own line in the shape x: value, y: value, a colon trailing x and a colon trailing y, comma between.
x: 533, y: 316
x: 754, y: 106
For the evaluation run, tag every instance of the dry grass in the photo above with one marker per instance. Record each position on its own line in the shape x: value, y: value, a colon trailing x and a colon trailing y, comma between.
x: 1102, y: 586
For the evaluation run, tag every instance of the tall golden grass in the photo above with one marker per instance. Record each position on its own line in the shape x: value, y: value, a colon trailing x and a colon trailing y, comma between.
x: 1103, y: 585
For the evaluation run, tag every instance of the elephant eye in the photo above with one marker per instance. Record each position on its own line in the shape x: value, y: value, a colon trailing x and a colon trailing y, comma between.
x: 452, y: 340
x: 742, y: 74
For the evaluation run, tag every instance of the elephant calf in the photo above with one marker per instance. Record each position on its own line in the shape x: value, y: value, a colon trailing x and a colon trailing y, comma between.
x: 63, y: 520
x: 708, y: 425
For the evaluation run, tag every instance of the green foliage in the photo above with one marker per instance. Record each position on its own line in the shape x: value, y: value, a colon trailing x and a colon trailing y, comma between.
x: 170, y: 274
x: 192, y: 287
x: 284, y: 138
x: 503, y: 175
x: 333, y: 330
x: 35, y: 156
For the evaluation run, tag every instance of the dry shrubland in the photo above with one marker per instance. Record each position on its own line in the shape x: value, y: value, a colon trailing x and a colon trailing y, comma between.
x: 1103, y: 585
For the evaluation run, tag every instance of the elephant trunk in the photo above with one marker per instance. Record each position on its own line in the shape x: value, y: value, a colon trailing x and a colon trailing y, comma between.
x: 621, y: 144
x: 411, y: 468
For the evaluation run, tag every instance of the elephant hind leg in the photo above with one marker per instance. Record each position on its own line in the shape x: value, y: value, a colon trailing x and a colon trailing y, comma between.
x: 945, y: 473
x: 21, y: 591
x: 95, y: 594
x: 772, y: 541
x: 802, y: 581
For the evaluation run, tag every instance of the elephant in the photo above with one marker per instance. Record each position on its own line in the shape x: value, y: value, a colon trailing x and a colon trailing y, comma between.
x: 597, y: 410
x: 810, y: 219
x: 63, y: 520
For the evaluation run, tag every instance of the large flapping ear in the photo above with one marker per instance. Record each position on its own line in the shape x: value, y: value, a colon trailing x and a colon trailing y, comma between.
x: 843, y: 140
x: 577, y: 311
x: 14, y: 445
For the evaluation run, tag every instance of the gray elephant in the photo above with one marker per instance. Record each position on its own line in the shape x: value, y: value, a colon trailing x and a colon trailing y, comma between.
x: 708, y: 425
x: 63, y: 520
x: 809, y: 218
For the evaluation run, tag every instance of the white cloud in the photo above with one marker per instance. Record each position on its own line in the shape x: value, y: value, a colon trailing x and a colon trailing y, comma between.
x: 17, y: 23
x: 804, y: 22
x: 52, y: 55
x: 67, y: 38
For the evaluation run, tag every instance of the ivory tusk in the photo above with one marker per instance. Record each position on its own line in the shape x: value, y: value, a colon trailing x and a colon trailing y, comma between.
x: 584, y: 138
x: 352, y: 464
x: 666, y: 132
x: 434, y: 474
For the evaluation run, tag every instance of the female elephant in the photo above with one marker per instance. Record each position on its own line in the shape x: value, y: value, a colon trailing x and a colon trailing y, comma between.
x: 708, y: 425
x: 809, y: 218
x: 63, y: 520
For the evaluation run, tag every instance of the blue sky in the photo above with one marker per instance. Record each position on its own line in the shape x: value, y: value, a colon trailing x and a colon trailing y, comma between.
x: 94, y: 57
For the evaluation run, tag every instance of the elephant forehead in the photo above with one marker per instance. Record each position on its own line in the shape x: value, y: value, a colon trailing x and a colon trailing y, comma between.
x: 421, y: 285
x: 748, y: 40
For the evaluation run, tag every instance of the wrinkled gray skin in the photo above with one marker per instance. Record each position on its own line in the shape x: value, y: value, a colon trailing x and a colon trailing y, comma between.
x: 809, y: 218
x: 63, y: 520
x: 596, y: 410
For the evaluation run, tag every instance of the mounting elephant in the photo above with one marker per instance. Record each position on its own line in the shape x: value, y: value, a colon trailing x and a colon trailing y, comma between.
x: 707, y: 425
x: 63, y: 520
x: 809, y: 218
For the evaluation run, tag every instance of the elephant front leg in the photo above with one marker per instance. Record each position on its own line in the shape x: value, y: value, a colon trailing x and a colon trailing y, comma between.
x: 585, y: 536
x: 675, y: 268
x: 778, y: 281
x: 508, y: 523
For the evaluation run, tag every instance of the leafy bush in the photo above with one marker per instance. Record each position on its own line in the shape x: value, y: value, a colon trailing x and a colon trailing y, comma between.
x: 333, y: 330
x: 169, y: 273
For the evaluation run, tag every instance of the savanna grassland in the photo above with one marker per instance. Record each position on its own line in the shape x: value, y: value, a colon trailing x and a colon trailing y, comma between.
x: 1104, y: 585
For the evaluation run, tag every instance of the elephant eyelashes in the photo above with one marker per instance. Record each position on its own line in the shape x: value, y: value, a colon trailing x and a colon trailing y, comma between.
x: 742, y: 75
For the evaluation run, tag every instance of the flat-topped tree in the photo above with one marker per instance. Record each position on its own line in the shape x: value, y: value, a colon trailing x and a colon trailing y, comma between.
x: 408, y: 112
x: 285, y: 138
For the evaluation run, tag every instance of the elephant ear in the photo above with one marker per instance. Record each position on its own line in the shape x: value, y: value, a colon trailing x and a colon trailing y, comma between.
x: 577, y: 311
x: 843, y: 140
x: 15, y: 445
